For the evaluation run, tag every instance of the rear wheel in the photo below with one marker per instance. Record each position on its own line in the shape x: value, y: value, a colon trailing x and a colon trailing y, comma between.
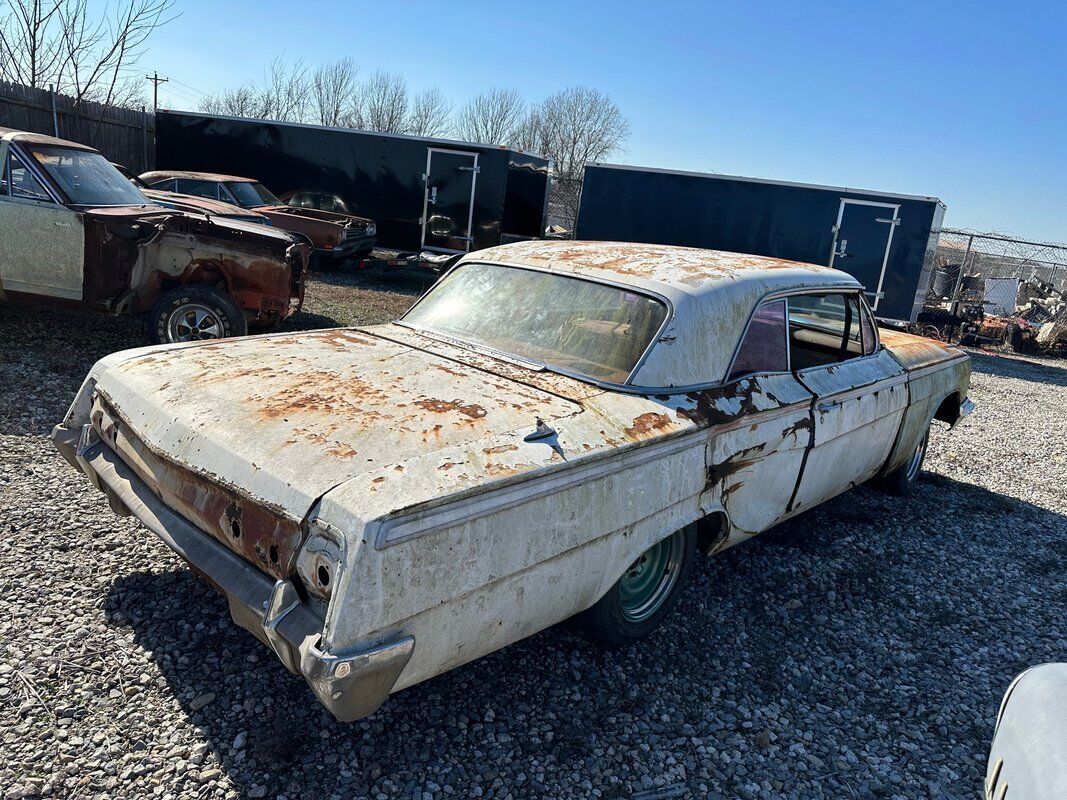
x: 643, y: 597
x: 903, y: 479
x: 193, y: 314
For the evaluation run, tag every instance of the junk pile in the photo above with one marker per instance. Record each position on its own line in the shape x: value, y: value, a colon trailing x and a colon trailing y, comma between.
x: 1027, y: 316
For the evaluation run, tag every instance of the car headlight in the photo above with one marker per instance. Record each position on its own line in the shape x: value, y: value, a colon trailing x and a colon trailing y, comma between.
x: 371, y: 229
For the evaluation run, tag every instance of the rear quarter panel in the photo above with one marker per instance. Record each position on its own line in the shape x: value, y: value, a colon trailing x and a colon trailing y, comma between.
x: 936, y: 372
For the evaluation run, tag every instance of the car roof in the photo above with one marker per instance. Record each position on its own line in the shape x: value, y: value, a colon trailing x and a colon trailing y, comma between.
x: 163, y: 174
x: 658, y: 267
x: 711, y: 292
x: 16, y: 135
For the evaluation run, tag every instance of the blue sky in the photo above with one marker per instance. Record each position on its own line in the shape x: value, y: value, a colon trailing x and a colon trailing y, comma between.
x: 962, y: 101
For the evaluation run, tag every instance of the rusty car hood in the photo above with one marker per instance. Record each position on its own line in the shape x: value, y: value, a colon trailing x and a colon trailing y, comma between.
x: 204, y: 205
x: 314, y: 213
x: 285, y: 418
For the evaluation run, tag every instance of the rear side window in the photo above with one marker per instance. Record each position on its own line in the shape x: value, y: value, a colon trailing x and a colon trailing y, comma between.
x: 824, y: 329
x: 764, y: 347
x: 870, y: 336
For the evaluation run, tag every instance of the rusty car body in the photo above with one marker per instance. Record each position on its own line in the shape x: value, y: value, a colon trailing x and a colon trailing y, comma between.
x: 335, y: 236
x: 382, y: 504
x: 77, y: 234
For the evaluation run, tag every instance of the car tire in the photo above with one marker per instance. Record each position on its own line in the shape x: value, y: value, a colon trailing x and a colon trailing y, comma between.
x: 194, y: 313
x: 643, y: 597
x: 903, y: 479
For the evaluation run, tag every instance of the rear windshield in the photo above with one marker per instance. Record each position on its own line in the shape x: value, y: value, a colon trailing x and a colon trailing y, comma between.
x: 577, y: 325
x: 250, y: 195
x: 87, y: 179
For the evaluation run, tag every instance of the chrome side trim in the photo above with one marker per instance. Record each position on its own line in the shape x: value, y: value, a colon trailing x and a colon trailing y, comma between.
x: 390, y: 531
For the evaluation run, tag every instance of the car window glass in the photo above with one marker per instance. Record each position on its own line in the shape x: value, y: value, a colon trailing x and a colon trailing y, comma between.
x: 870, y: 336
x: 764, y: 346
x: 198, y: 188
x: 23, y: 182
x: 823, y: 329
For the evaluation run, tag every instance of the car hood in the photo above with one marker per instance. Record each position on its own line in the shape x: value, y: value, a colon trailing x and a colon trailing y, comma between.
x: 313, y: 213
x: 185, y: 202
x: 285, y: 418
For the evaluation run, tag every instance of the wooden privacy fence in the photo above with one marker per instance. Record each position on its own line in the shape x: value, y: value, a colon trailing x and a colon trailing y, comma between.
x: 124, y: 135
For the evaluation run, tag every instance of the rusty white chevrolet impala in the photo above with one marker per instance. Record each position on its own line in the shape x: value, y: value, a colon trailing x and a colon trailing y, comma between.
x: 554, y: 428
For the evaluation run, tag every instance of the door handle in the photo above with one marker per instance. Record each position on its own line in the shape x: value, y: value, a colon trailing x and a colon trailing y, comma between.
x: 840, y: 253
x: 830, y: 404
x: 433, y: 196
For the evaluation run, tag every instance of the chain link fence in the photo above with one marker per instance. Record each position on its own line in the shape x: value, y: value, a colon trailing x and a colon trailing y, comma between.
x: 991, y: 288
x: 563, y: 204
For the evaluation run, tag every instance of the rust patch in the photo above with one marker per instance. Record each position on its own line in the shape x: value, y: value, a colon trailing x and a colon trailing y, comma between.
x: 342, y: 450
x: 449, y: 371
x: 471, y: 410
x: 648, y: 424
x: 447, y: 466
x: 500, y: 448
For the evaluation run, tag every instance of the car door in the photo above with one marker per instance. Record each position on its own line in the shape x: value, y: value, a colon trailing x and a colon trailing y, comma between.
x: 861, y: 392
x: 43, y: 250
x: 754, y: 460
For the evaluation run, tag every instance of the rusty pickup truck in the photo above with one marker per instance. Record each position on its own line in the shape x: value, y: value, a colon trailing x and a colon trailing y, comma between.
x: 554, y: 429
x: 75, y: 233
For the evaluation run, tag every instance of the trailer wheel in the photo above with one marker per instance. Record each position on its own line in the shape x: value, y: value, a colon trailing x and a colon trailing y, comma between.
x: 643, y: 597
x: 192, y: 314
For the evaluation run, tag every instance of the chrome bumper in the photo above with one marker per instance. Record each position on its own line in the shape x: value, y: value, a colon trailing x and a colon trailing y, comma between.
x: 350, y: 685
x: 966, y: 407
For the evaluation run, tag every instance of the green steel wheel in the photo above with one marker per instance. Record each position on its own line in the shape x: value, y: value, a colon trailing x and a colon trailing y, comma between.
x: 641, y: 599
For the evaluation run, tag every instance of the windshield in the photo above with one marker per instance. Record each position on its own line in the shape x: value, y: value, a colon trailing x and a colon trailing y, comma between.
x: 573, y: 324
x: 87, y: 179
x: 250, y: 195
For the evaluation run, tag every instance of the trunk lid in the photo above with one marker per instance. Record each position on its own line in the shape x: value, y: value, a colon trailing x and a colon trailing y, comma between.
x: 247, y: 427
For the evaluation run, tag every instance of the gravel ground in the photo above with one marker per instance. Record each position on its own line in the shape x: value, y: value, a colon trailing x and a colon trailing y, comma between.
x: 859, y: 651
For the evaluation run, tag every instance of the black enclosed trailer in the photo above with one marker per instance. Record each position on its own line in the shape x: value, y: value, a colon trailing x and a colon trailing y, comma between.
x: 424, y: 194
x: 887, y: 241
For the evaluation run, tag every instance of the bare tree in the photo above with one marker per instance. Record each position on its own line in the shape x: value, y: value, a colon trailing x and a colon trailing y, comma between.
x: 575, y: 126
x: 333, y: 86
x: 494, y: 117
x: 89, y: 56
x: 239, y: 102
x: 285, y: 92
x: 572, y: 127
x: 430, y: 114
x: 381, y: 104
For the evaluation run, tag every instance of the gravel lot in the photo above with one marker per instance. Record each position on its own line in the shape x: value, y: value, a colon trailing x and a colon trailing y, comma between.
x: 859, y: 651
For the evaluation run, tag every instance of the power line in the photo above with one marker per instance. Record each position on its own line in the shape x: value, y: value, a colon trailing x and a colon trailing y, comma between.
x: 192, y: 88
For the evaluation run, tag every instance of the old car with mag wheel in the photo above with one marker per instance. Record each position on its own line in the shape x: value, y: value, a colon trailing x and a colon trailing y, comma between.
x: 75, y: 233
x: 554, y: 429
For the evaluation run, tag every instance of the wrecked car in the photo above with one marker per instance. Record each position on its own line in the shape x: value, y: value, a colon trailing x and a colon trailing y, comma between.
x: 555, y: 428
x: 335, y: 236
x: 78, y: 234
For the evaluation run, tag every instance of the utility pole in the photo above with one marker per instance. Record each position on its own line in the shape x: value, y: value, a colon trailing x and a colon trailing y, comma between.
x: 156, y: 80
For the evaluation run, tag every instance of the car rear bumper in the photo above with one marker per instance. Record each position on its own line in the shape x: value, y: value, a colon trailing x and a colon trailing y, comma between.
x: 349, y: 684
